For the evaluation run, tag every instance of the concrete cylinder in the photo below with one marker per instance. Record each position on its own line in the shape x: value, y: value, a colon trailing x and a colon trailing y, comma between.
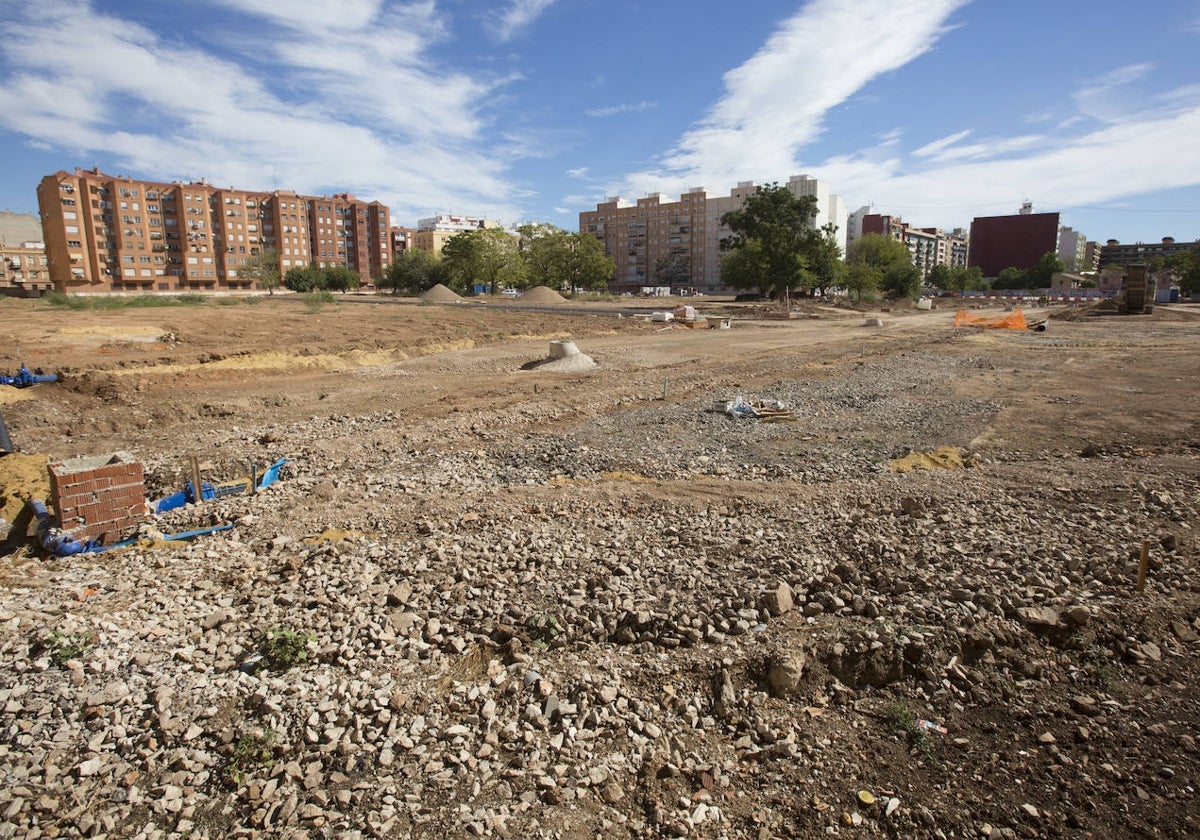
x: 563, y: 349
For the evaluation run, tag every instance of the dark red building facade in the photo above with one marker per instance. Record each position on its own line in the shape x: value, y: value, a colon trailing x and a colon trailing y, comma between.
x: 1019, y: 241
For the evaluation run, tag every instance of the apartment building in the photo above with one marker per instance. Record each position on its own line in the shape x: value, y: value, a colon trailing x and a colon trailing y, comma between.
x: 1072, y: 249
x: 403, y: 239
x: 351, y: 233
x: 950, y: 248
x: 657, y: 242
x: 24, y: 268
x: 1123, y: 254
x: 433, y: 233
x: 108, y: 233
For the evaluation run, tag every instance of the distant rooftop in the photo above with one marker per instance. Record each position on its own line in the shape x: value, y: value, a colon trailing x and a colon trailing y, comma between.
x: 16, y: 228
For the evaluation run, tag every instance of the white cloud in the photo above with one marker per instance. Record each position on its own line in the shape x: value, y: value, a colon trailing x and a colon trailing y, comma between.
x: 357, y: 106
x: 580, y: 172
x: 614, y: 110
x: 347, y: 15
x: 1128, y: 159
x: 944, y: 150
x: 774, y: 103
x: 1106, y: 99
x: 938, y: 146
x: 520, y: 14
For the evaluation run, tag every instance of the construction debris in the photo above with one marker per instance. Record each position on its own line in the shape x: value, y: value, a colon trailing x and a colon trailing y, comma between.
x: 770, y: 411
x: 1014, y: 320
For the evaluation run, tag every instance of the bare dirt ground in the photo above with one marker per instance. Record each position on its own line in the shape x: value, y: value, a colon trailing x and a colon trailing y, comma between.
x: 1087, y: 733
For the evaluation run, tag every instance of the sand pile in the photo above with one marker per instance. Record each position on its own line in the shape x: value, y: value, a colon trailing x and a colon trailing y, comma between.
x: 440, y: 294
x: 21, y: 477
x: 542, y: 294
x: 942, y: 458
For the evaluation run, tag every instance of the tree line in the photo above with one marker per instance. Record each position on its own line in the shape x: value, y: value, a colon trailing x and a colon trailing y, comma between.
x: 495, y: 259
x: 773, y: 248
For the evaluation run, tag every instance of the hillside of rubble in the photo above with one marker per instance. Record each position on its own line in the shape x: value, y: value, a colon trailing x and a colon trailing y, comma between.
x: 779, y: 578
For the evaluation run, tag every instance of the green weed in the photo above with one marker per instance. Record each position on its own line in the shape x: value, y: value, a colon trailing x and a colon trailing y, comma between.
x: 543, y: 629
x: 252, y: 753
x: 63, y: 647
x: 901, y: 721
x: 283, y: 647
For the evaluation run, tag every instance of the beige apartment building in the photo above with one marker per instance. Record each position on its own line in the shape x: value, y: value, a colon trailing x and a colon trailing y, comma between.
x: 24, y: 268
x: 659, y: 243
x: 433, y: 233
x: 108, y: 233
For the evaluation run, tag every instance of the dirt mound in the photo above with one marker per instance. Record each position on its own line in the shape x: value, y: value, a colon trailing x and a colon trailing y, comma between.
x: 942, y: 458
x: 21, y: 477
x: 440, y: 294
x: 542, y: 294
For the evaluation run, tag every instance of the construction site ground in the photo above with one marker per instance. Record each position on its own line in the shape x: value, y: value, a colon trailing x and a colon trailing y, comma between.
x: 1095, y: 417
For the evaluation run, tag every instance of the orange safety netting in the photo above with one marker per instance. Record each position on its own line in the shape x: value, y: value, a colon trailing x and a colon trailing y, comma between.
x: 1014, y: 320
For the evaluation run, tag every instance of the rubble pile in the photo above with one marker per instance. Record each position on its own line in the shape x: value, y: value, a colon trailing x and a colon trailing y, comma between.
x: 469, y: 628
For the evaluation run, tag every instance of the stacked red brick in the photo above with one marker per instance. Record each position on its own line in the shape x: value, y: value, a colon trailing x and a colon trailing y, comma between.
x: 99, y: 498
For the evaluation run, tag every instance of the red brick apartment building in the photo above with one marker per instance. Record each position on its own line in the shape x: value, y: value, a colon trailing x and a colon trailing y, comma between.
x: 117, y: 234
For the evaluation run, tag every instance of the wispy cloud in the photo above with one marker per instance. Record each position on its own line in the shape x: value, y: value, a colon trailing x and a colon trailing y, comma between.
x: 1107, y: 98
x: 1130, y: 158
x: 614, y: 110
x: 773, y: 105
x: 325, y: 116
x: 938, y: 146
x: 520, y: 14
x: 946, y: 150
x: 580, y: 172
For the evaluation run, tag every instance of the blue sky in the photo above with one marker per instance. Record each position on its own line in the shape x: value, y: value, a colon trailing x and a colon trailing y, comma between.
x: 519, y: 110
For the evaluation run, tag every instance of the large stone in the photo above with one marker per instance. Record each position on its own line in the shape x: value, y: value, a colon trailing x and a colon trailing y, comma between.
x: 785, y: 672
x: 779, y: 600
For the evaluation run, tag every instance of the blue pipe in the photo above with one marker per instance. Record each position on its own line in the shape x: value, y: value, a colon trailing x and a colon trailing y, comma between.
x: 23, y: 378
x: 207, y: 491
x: 61, y: 544
x: 58, y: 543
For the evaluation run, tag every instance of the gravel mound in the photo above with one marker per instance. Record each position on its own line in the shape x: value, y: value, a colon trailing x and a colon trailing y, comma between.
x: 568, y: 619
x: 542, y: 294
x: 440, y: 294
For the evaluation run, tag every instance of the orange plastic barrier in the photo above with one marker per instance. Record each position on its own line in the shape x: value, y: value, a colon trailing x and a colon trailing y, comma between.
x: 1014, y: 320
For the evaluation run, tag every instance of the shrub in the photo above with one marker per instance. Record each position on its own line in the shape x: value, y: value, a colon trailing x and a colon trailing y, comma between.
x: 252, y: 753
x: 63, y: 647
x: 283, y: 647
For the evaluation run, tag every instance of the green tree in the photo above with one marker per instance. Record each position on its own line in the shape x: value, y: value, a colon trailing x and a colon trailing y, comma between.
x: 584, y: 264
x: 412, y: 272
x: 262, y: 270
x: 940, y: 277
x: 303, y: 279
x: 487, y: 257
x: 902, y: 281
x: 891, y: 261
x: 861, y: 279
x: 1186, y: 264
x: 781, y: 226
x: 338, y: 278
x: 1012, y: 278
x: 826, y: 266
x: 745, y: 268
x: 1044, y: 270
x: 543, y: 249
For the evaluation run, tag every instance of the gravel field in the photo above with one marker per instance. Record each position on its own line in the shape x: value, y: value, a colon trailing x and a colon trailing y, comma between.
x: 492, y: 602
